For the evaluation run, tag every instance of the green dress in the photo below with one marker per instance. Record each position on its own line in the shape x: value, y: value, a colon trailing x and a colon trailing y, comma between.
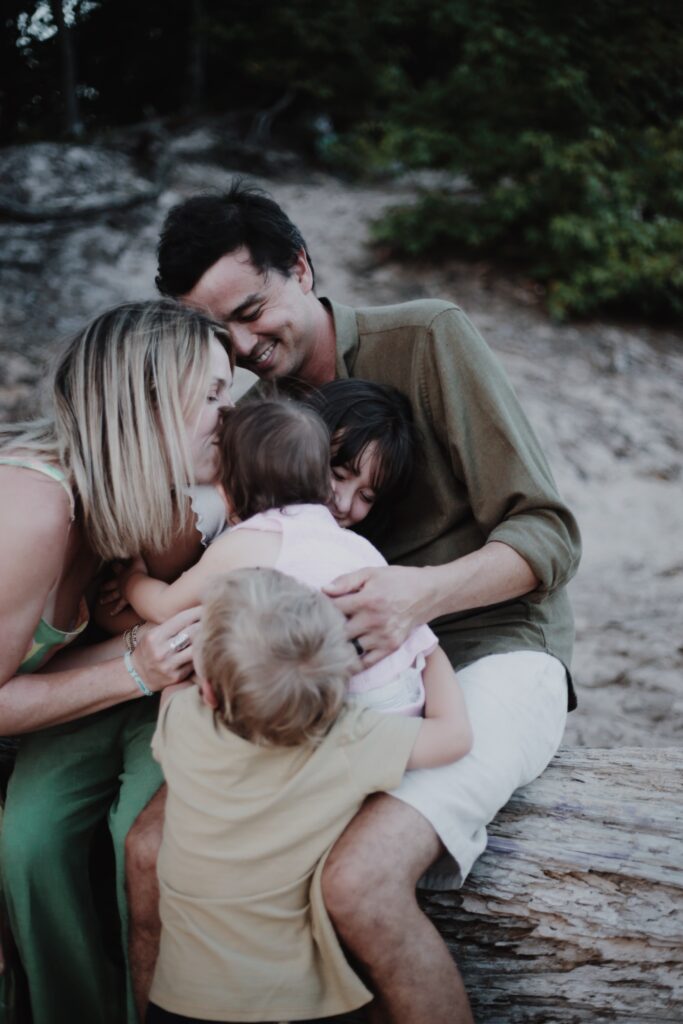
x: 68, y: 782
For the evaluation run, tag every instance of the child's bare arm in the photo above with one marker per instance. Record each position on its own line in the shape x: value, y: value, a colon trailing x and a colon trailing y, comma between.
x: 157, y: 601
x: 111, y: 611
x: 445, y: 735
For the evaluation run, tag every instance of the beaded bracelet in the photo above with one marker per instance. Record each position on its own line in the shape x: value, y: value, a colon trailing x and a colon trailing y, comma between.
x: 144, y: 688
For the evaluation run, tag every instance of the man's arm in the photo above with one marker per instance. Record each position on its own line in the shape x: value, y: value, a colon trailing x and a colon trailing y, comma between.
x: 383, y: 605
x: 531, y: 542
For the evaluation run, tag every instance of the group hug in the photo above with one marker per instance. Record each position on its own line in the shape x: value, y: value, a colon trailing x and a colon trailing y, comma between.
x: 265, y: 667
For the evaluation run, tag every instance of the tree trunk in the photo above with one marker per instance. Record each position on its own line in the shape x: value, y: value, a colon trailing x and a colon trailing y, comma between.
x: 73, y: 127
x: 575, y: 911
x: 196, y: 68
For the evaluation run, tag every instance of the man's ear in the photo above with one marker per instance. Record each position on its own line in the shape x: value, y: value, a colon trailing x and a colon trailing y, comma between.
x: 303, y: 272
x: 208, y: 693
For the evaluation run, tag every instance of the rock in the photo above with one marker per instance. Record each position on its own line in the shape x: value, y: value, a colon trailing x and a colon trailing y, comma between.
x: 54, y: 181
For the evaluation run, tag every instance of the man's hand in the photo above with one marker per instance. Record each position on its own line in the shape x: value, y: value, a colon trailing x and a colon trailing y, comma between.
x: 382, y: 606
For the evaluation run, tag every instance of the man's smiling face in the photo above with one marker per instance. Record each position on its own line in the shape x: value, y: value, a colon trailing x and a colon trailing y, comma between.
x: 269, y: 316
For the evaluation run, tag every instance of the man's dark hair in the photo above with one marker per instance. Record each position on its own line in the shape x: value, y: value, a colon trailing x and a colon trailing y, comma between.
x: 274, y: 453
x: 199, y: 231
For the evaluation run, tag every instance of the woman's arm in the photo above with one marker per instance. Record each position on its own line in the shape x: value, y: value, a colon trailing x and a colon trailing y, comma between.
x: 445, y: 735
x: 41, y: 699
x: 35, y: 530
x: 38, y: 545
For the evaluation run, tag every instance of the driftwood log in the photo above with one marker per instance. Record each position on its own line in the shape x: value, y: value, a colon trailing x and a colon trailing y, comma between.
x: 574, y: 913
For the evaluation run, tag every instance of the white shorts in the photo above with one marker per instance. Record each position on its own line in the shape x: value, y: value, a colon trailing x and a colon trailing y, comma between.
x: 517, y: 704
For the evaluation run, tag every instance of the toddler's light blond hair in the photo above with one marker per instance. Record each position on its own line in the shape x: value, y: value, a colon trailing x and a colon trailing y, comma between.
x: 276, y: 656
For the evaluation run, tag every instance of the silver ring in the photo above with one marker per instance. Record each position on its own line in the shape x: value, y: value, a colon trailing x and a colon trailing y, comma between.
x: 179, y: 642
x: 358, y: 646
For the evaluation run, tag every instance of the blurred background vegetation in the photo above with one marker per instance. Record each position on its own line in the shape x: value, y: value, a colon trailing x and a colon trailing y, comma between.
x: 557, y: 128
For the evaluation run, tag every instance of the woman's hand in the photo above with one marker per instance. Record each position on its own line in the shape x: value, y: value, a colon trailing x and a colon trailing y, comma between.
x: 163, y: 655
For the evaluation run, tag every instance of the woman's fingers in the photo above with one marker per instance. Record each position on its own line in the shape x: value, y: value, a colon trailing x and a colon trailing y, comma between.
x: 165, y: 651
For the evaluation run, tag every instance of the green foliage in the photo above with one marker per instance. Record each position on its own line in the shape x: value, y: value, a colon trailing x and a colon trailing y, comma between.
x: 599, y: 223
x: 568, y: 123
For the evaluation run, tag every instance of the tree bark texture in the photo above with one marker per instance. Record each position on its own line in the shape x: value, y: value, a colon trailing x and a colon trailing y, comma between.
x: 575, y: 911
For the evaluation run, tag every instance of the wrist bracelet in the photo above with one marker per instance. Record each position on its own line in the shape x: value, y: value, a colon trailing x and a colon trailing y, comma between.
x: 142, y: 685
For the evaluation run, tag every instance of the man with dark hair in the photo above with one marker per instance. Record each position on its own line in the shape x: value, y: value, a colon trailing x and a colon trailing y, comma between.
x: 198, y: 232
x: 482, y: 547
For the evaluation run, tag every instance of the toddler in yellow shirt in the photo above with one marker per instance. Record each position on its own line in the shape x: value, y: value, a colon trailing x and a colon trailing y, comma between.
x: 265, y: 766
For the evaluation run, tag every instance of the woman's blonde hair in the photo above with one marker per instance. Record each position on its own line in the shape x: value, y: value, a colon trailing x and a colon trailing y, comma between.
x: 123, y: 390
x: 276, y: 655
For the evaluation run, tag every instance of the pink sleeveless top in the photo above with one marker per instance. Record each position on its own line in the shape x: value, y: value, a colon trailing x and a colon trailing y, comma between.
x: 315, y: 550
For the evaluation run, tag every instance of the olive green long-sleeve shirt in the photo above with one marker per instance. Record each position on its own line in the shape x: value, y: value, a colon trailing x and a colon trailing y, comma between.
x: 481, y: 474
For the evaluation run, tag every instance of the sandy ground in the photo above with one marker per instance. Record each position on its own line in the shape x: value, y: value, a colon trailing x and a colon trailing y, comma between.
x: 604, y: 398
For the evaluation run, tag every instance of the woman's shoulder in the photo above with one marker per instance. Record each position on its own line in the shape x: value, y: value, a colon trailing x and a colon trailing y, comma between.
x: 24, y: 471
x: 34, y: 493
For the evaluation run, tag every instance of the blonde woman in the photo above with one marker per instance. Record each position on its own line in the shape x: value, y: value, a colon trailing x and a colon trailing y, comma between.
x: 135, y: 400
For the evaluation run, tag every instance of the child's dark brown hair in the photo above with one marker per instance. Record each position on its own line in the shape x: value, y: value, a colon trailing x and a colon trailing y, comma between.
x: 359, y: 413
x: 274, y: 453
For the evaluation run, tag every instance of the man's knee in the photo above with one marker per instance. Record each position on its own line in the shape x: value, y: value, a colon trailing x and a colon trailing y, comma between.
x: 142, y: 844
x: 373, y: 868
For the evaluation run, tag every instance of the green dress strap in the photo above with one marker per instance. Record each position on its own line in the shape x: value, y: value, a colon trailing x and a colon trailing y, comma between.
x: 47, y: 640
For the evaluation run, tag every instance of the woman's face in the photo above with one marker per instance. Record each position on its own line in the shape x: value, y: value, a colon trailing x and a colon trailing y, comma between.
x: 352, y: 493
x: 202, y: 428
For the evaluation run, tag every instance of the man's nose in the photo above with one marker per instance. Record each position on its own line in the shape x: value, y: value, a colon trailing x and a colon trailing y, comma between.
x: 242, y: 339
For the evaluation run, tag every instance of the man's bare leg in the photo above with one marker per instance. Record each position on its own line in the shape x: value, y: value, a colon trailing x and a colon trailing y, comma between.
x: 142, y: 848
x: 369, y: 888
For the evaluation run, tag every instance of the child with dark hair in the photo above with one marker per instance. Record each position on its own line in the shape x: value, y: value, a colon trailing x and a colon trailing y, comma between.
x: 275, y: 479
x: 373, y: 443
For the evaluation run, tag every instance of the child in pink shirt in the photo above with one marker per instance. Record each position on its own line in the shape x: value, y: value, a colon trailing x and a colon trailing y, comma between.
x: 287, y: 514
